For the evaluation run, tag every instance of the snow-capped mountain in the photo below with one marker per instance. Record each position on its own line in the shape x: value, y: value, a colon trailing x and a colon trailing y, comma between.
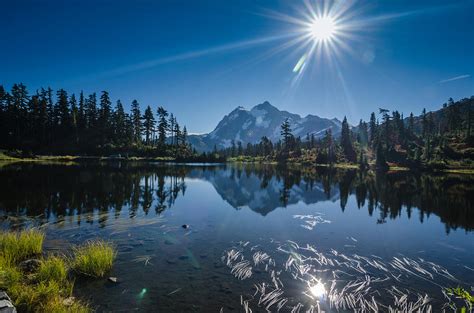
x: 249, y: 126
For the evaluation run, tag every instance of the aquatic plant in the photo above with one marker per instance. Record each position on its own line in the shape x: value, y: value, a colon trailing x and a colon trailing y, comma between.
x: 95, y: 258
x: 17, y: 246
x: 52, y: 269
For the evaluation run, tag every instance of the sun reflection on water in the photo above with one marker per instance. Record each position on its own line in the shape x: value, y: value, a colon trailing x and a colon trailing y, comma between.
x: 318, y: 290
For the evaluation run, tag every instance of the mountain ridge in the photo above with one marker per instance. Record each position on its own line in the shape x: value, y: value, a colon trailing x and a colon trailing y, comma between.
x: 250, y: 125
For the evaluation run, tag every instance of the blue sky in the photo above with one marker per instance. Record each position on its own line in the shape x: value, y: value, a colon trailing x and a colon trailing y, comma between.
x: 201, y: 59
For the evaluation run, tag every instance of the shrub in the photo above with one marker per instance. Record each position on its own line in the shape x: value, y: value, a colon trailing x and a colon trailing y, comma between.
x: 95, y: 258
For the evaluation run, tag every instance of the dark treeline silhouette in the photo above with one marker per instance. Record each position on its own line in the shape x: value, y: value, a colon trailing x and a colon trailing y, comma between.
x: 52, y: 192
x: 431, y: 139
x: 48, y: 122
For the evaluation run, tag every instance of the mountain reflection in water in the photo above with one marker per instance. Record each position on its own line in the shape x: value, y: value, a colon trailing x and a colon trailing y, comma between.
x: 51, y: 192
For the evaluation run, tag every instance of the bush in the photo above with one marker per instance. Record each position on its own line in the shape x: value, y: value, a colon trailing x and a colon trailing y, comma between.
x: 95, y: 258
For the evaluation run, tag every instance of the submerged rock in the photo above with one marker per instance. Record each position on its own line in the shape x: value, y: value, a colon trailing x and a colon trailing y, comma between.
x: 185, y: 226
x: 29, y: 265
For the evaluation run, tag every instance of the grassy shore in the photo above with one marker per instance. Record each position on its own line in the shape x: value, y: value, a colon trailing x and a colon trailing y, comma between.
x: 46, y: 285
x: 453, y: 167
x: 450, y: 167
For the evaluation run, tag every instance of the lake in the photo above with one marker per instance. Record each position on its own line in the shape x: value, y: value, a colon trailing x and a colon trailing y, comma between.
x: 257, y: 237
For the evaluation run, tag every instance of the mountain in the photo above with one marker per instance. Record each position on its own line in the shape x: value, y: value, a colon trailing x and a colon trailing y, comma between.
x: 249, y: 126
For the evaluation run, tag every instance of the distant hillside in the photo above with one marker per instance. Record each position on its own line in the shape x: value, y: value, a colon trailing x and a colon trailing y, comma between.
x: 249, y: 126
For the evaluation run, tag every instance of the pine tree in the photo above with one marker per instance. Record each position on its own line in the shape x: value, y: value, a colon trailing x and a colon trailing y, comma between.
x: 81, y: 117
x: 136, y: 121
x: 63, y: 113
x: 105, y: 114
x: 74, y: 117
x: 91, y: 112
x: 120, y: 125
x: 346, y: 142
x: 162, y: 125
x: 411, y: 124
x: 286, y: 134
x: 424, y: 124
x: 148, y: 125
x: 372, y: 128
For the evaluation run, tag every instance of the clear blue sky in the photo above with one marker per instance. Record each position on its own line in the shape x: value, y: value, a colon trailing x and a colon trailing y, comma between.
x: 200, y: 59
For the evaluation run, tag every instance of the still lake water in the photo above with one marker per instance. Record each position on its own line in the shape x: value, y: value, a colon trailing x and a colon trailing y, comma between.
x: 258, y: 238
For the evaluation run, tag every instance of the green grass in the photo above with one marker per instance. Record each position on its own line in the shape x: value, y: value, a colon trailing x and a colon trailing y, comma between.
x: 48, y: 288
x: 17, y: 246
x: 10, y: 275
x: 52, y: 269
x: 95, y: 258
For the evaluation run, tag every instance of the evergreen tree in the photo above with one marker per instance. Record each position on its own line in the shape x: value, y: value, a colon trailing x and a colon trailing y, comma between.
x: 286, y: 134
x: 162, y: 125
x: 346, y: 142
x: 372, y: 128
x: 148, y: 125
x: 63, y: 113
x: 120, y: 133
x: 411, y: 124
x: 363, y: 135
x: 136, y: 121
x: 105, y: 116
x: 74, y: 117
x: 91, y: 112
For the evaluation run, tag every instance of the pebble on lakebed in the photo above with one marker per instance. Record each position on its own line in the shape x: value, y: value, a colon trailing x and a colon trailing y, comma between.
x: 185, y: 226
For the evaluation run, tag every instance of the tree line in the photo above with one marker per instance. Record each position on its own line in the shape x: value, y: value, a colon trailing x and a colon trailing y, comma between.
x: 51, y: 122
x: 430, y: 139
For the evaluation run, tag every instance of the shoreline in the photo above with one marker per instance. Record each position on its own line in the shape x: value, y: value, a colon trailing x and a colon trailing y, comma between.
x: 70, y: 160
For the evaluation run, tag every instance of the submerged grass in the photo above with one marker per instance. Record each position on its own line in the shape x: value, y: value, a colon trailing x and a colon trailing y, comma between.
x: 48, y: 288
x: 95, y: 258
x: 17, y: 246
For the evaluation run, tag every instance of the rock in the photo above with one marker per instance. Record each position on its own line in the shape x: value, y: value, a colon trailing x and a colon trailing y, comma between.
x: 29, y: 265
x: 113, y: 279
x: 6, y: 305
x: 185, y: 226
x: 4, y: 296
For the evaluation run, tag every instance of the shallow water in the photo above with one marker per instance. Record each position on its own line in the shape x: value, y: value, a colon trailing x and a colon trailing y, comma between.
x: 258, y: 238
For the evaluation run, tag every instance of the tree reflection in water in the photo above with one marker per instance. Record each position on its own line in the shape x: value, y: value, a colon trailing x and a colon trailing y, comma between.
x: 55, y: 191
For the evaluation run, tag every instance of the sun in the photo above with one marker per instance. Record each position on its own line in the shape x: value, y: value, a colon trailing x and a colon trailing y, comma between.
x: 323, y: 28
